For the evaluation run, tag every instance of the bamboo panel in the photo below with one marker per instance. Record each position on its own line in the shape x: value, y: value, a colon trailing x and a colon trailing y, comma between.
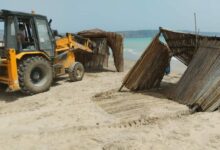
x: 115, y: 42
x: 200, y: 85
x: 98, y: 59
x: 184, y: 45
x: 149, y: 70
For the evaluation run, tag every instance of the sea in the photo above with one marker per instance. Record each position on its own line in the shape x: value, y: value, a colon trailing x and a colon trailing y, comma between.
x: 134, y: 47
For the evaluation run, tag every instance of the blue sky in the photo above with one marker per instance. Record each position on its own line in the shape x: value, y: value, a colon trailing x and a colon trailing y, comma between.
x: 117, y: 15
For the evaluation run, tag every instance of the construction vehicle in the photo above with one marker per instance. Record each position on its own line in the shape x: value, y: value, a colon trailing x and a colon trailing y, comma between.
x: 30, y: 63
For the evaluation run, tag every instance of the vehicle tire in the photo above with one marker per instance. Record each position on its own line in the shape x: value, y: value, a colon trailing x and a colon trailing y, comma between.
x: 76, y: 72
x: 35, y: 75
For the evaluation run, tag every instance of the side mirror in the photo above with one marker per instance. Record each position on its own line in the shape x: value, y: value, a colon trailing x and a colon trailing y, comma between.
x: 50, y: 21
x: 55, y: 33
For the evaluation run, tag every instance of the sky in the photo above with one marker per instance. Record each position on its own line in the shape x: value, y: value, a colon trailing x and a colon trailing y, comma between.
x: 120, y: 15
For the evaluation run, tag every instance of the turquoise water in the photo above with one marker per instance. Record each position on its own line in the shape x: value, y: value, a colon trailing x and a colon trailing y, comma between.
x: 134, y: 47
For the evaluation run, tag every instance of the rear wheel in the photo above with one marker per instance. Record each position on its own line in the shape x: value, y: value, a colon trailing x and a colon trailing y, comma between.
x: 35, y: 75
x: 76, y: 72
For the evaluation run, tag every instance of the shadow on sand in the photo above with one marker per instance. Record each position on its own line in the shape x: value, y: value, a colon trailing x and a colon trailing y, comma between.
x: 163, y: 92
x: 9, y: 97
x: 99, y: 70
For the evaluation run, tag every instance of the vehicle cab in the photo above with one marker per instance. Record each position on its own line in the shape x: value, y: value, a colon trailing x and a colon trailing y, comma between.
x: 25, y: 32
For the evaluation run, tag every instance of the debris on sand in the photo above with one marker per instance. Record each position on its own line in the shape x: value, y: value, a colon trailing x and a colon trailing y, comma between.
x: 112, y: 40
x: 199, y: 86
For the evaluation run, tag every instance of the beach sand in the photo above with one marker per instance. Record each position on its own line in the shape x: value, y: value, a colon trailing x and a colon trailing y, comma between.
x: 92, y: 115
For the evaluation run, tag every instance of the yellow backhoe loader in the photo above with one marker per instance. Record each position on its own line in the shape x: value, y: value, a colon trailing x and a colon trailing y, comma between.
x: 32, y: 54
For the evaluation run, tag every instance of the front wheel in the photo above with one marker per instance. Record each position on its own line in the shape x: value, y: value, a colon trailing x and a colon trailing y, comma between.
x: 76, y: 72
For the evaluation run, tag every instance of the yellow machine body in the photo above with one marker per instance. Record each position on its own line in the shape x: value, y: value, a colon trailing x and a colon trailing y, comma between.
x: 65, y: 45
x: 32, y: 54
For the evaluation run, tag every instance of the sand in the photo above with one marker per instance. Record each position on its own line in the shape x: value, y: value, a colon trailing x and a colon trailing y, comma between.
x: 92, y: 115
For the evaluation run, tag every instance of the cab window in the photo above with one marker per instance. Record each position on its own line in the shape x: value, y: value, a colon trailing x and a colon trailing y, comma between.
x: 25, y: 34
x: 43, y: 35
x: 11, y: 34
x: 2, y: 29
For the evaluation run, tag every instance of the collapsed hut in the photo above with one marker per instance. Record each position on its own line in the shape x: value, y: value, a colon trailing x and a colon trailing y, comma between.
x: 199, y: 87
x: 104, y: 41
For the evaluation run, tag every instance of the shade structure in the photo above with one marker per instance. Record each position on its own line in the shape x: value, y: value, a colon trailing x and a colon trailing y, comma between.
x: 199, y: 87
x: 114, y: 41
